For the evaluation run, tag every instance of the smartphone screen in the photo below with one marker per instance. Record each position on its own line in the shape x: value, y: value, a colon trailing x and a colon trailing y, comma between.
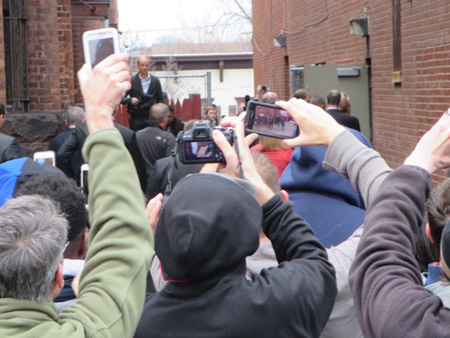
x: 270, y: 120
x: 99, y: 44
x: 100, y: 49
x: 45, y: 157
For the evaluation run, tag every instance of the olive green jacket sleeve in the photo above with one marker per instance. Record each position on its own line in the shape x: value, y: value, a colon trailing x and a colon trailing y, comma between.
x: 112, y: 289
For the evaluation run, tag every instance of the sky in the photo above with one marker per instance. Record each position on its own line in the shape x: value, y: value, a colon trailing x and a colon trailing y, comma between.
x: 152, y: 21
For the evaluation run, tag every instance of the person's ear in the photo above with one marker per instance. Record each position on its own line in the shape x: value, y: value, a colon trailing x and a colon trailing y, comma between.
x: 428, y: 232
x: 58, y: 283
x: 284, y: 195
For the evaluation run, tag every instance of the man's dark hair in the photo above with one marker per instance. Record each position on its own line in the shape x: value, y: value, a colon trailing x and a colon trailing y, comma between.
x: 438, y: 209
x: 334, y: 97
x: 302, y: 94
x: 2, y: 108
x: 318, y: 101
x: 63, y: 191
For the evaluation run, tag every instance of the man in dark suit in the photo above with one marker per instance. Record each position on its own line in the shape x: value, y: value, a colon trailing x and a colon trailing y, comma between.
x: 69, y: 157
x: 74, y: 116
x: 9, y: 147
x: 144, y: 93
x: 333, y: 101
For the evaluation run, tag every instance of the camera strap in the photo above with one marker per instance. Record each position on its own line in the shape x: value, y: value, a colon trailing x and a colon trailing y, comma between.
x: 173, y: 164
x: 236, y: 147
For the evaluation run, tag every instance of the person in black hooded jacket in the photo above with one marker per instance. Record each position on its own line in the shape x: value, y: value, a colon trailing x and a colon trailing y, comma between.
x: 206, y: 228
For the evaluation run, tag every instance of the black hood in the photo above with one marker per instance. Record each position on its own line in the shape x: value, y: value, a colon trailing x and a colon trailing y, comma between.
x: 207, y: 227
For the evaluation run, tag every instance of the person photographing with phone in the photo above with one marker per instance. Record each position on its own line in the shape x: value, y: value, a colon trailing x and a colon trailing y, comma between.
x: 34, y: 235
x: 144, y: 93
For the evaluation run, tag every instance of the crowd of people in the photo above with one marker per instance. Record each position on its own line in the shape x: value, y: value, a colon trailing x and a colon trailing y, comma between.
x: 313, y: 236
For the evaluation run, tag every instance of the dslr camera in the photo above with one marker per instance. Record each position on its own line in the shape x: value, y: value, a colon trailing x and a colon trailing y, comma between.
x: 197, y: 145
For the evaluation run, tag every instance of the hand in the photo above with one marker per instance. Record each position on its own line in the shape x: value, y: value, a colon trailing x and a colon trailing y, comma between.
x: 134, y: 101
x: 317, y: 127
x: 433, y: 150
x: 153, y: 209
x: 263, y: 192
x: 103, y: 89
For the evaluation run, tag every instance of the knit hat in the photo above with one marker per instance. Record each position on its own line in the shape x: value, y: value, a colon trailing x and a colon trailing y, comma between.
x: 207, y: 227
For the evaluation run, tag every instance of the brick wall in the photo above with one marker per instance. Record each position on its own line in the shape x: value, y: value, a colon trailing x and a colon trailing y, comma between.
x: 66, y: 73
x: 54, y: 56
x: 267, y: 59
x: 401, y: 114
x: 79, y: 27
x: 318, y: 31
x: 43, y: 55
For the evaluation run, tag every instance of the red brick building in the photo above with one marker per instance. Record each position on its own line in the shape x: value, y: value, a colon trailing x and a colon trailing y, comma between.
x: 40, y: 53
x: 401, y: 78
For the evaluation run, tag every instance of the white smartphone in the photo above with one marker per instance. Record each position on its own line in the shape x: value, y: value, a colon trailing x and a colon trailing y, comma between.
x: 84, y: 179
x: 99, y: 44
x: 45, y: 157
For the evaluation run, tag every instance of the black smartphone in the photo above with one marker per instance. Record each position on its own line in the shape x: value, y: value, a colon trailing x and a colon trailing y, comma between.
x: 269, y: 120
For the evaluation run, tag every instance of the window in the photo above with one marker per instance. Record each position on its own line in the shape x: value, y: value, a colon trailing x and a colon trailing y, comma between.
x: 16, y: 66
x: 297, y: 79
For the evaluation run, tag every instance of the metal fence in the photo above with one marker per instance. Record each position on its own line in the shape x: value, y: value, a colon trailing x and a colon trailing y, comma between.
x: 179, y: 87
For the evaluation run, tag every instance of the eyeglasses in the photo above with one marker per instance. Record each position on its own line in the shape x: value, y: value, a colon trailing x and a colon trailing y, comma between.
x: 66, y: 245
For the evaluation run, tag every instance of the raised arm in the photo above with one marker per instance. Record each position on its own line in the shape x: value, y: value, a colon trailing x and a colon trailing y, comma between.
x: 112, y: 288
x: 364, y: 167
x: 385, y: 277
x: 303, y: 259
x: 346, y: 155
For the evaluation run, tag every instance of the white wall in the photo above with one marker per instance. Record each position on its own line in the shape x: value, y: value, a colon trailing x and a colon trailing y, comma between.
x: 236, y: 83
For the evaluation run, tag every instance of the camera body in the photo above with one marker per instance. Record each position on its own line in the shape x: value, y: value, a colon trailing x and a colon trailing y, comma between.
x: 197, y: 145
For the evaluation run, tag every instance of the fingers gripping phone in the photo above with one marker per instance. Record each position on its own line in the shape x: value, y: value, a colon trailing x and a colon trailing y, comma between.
x: 269, y: 120
x: 45, y: 157
x: 99, y: 44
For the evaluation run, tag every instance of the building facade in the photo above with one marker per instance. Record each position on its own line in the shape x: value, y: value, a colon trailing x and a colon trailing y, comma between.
x: 397, y: 74
x: 40, y: 54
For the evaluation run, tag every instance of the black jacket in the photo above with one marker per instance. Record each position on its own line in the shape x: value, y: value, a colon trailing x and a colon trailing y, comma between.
x: 146, y: 100
x: 344, y: 119
x: 58, y: 141
x: 176, y: 126
x: 69, y: 157
x: 154, y: 143
x: 206, y: 229
x: 159, y: 174
x: 9, y: 148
